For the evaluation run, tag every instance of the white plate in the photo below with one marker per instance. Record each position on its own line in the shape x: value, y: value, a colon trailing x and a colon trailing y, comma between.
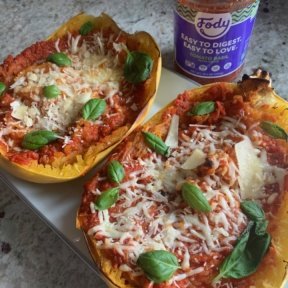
x: 57, y: 204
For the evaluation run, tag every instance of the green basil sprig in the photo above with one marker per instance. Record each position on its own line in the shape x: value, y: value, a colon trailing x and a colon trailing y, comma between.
x: 158, y: 265
x: 195, y: 198
x: 107, y: 199
x: 51, y: 91
x: 232, y: 261
x: 93, y: 109
x: 138, y: 67
x: 255, y: 213
x: 60, y: 59
x: 37, y: 139
x: 156, y: 143
x: 115, y: 171
x: 116, y: 174
x: 261, y: 227
x: 246, y: 256
x: 274, y: 130
x: 203, y: 108
x: 2, y: 88
x: 86, y: 28
x: 252, y: 210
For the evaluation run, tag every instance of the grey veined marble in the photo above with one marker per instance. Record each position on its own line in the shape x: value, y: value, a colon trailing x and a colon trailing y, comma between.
x: 31, y: 255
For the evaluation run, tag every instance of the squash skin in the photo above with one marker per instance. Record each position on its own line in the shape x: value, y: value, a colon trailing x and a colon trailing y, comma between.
x: 270, y: 274
x: 37, y: 173
x: 274, y: 275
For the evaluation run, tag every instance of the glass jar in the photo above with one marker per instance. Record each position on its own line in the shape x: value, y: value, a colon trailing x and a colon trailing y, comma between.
x: 211, y: 37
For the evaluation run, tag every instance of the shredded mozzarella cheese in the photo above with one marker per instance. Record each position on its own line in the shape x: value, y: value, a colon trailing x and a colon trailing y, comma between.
x: 153, y: 216
x: 93, y: 73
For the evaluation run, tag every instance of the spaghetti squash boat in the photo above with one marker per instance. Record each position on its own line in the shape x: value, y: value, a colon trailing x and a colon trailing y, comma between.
x: 67, y: 101
x: 197, y: 197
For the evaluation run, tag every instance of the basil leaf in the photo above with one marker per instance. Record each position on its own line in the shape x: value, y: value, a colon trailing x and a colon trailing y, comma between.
x: 158, y: 265
x: 232, y: 260
x: 86, y: 28
x: 156, y: 143
x: 195, y: 198
x: 2, y: 88
x: 255, y: 213
x: 107, y: 199
x: 254, y: 252
x: 60, y: 59
x: 252, y: 210
x: 246, y: 256
x: 203, y: 108
x: 261, y: 227
x: 274, y: 130
x: 51, y: 91
x: 93, y: 109
x: 116, y: 172
x: 138, y: 67
x: 37, y: 139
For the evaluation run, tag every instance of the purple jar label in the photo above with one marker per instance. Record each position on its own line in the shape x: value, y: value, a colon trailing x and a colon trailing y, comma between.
x: 212, y: 45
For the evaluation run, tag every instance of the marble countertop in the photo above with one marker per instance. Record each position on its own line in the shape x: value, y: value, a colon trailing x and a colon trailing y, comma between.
x: 31, y: 255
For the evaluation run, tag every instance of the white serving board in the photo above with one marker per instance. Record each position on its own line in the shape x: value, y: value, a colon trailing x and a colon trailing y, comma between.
x: 56, y: 204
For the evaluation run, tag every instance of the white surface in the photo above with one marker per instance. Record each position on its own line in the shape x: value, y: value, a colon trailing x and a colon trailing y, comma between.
x: 57, y: 204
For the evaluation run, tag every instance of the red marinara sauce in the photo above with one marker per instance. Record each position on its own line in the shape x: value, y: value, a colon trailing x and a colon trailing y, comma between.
x: 211, y: 37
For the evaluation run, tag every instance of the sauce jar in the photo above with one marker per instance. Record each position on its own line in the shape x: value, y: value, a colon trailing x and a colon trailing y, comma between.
x: 211, y: 37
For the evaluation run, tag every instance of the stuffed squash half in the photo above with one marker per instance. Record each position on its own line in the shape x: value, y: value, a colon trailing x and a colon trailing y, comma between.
x: 67, y: 101
x: 198, y: 196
